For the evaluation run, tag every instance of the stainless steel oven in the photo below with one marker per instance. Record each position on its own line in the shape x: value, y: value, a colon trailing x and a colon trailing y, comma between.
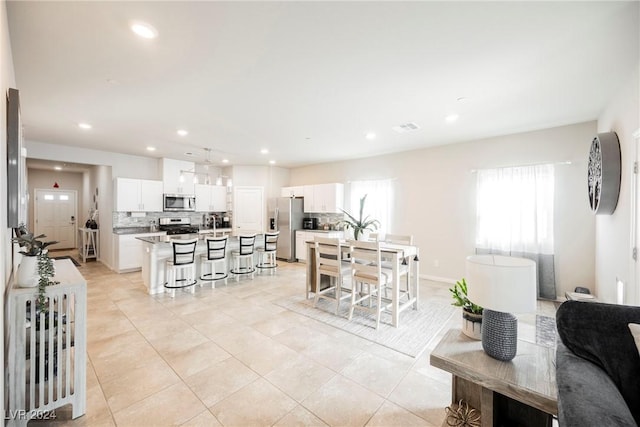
x: 179, y: 203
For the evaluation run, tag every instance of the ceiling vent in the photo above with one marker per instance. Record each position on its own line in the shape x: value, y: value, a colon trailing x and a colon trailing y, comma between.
x: 406, y: 127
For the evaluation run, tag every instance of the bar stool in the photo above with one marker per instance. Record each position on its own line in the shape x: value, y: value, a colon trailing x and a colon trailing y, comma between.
x: 216, y: 254
x: 244, y: 255
x: 267, y: 254
x: 180, y: 271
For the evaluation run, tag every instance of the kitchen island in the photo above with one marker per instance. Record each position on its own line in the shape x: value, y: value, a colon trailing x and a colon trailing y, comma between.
x: 157, y: 250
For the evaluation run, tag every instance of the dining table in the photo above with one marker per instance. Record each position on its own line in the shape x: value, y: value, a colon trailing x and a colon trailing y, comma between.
x: 396, y: 255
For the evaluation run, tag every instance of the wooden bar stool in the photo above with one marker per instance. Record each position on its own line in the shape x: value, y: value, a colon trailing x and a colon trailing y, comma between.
x: 180, y: 271
x: 216, y: 255
x: 267, y: 254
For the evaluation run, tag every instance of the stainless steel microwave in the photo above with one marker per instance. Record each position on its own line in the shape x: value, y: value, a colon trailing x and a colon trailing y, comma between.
x: 179, y: 203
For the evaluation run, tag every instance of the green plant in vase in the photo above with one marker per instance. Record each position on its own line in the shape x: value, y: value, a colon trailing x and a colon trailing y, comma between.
x: 360, y: 224
x: 471, y: 313
x: 35, y: 262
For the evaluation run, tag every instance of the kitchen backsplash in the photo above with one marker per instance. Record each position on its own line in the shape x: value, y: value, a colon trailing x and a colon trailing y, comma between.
x: 124, y: 219
x: 331, y: 219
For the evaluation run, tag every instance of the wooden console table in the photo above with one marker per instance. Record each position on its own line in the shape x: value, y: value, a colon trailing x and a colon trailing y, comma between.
x: 520, y: 392
x: 89, y: 241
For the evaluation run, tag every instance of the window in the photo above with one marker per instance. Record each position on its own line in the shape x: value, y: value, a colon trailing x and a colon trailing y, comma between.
x: 514, y: 210
x: 379, y: 200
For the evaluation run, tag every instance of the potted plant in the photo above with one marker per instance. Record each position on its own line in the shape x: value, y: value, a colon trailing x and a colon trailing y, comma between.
x: 471, y: 313
x: 36, y: 268
x: 360, y: 224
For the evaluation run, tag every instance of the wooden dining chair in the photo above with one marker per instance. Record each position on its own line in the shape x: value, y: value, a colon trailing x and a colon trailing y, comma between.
x: 401, y: 239
x: 368, y: 278
x: 328, y: 257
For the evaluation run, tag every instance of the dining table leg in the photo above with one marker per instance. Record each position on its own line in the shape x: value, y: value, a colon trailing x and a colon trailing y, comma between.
x: 415, y: 267
x: 395, y: 292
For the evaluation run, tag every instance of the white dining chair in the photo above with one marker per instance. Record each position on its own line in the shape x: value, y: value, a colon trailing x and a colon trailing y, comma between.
x: 328, y: 260
x: 401, y: 239
x: 368, y: 279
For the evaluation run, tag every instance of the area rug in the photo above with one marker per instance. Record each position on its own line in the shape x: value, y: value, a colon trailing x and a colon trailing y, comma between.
x: 417, y: 327
x: 76, y: 263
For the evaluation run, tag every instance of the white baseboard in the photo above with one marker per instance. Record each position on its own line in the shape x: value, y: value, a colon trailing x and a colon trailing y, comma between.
x: 438, y: 279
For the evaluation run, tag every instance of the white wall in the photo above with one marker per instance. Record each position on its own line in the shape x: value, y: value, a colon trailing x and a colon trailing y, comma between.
x: 435, y: 196
x: 123, y: 165
x: 7, y: 80
x: 613, y: 232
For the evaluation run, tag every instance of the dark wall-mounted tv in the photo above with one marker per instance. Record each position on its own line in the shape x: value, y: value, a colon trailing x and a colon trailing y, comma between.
x: 14, y: 148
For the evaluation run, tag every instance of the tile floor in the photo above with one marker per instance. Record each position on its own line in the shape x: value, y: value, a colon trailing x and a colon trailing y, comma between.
x: 229, y: 356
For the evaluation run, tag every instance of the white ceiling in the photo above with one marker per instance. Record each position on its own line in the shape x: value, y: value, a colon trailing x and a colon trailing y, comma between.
x: 308, y: 80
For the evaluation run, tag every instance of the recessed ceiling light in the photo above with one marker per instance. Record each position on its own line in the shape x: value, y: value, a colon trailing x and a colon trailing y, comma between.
x: 272, y: 162
x: 182, y: 132
x: 451, y: 118
x: 151, y: 148
x: 84, y: 126
x: 225, y: 160
x: 462, y: 99
x: 58, y: 168
x: 370, y: 135
x: 188, y: 153
x: 264, y: 151
x: 144, y: 30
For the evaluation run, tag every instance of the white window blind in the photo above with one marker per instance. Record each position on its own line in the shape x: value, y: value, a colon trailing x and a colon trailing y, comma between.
x: 379, y: 200
x: 514, y: 209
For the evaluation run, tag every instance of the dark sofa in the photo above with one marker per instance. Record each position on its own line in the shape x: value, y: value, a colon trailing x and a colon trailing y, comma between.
x: 597, y: 365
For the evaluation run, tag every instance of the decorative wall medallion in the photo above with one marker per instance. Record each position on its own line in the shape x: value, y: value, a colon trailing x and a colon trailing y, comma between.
x: 604, y: 173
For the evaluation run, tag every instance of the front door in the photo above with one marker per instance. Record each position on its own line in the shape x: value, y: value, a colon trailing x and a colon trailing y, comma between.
x: 55, y: 216
x: 248, y: 210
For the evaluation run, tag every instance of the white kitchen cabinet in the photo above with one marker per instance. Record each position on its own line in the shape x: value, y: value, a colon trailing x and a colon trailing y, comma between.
x: 309, y: 198
x: 129, y: 250
x: 297, y: 191
x: 324, y: 198
x: 303, y: 236
x: 211, y: 198
x: 301, y: 247
x: 171, y: 171
x: 138, y: 195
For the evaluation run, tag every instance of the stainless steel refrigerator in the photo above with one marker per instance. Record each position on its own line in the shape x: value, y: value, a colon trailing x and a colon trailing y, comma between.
x: 285, y: 215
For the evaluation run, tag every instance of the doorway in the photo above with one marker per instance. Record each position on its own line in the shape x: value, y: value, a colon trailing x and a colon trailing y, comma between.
x: 248, y: 210
x: 55, y: 213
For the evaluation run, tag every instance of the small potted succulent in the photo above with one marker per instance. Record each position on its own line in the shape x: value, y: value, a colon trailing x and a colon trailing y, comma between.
x: 471, y: 313
x: 361, y: 224
x: 36, y: 268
